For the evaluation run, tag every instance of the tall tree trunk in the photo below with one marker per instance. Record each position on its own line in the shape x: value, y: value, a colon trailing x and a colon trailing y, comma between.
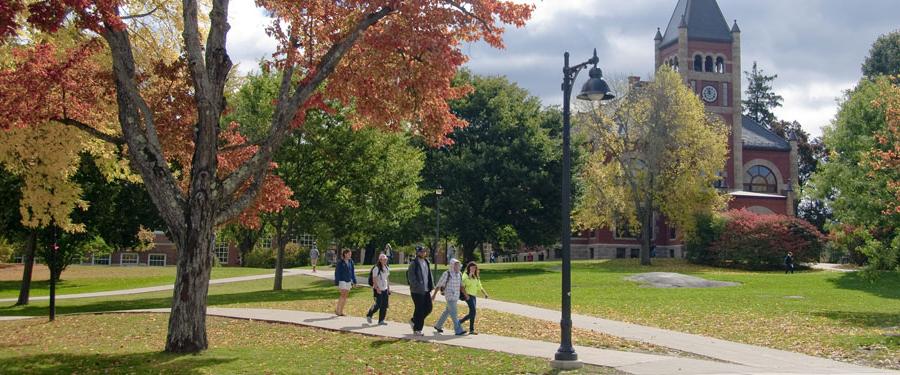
x: 279, y: 246
x: 646, y: 234
x: 30, y: 248
x: 484, y: 258
x: 187, y: 321
x: 371, y: 249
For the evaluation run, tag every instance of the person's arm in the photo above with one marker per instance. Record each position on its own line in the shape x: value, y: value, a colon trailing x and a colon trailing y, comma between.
x: 352, y: 271
x: 462, y: 291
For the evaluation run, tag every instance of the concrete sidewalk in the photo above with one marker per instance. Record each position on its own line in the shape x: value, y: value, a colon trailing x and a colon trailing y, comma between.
x: 756, y: 357
x: 161, y: 288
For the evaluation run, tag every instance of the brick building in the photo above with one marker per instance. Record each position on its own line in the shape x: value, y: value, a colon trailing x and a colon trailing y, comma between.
x: 761, y: 171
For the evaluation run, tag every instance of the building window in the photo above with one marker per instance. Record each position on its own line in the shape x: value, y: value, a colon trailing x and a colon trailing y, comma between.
x: 720, y: 65
x: 128, y: 259
x: 620, y: 252
x: 673, y: 233
x: 19, y: 259
x: 635, y: 253
x: 709, y: 64
x: 306, y: 241
x: 698, y: 63
x: 103, y: 259
x: 221, y: 252
x: 266, y: 243
x: 623, y: 232
x: 760, y: 180
x: 156, y: 260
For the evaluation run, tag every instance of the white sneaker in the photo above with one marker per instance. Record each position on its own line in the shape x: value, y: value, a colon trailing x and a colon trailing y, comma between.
x: 369, y: 319
x: 382, y: 323
x: 418, y: 333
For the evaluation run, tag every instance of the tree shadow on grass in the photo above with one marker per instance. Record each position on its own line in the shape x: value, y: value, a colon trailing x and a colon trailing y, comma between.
x: 10, y: 288
x: 379, y: 343
x: 150, y: 362
x: 319, y: 290
x: 887, y: 285
x: 863, y: 319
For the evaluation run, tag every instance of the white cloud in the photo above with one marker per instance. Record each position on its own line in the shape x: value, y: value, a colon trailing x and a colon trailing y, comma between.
x: 813, y: 104
x: 247, y: 39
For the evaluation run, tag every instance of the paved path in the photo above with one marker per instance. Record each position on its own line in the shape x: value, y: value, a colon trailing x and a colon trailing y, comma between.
x: 161, y: 288
x: 831, y: 267
x: 756, y: 357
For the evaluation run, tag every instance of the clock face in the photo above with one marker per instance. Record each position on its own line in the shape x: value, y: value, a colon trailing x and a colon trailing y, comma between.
x: 709, y: 94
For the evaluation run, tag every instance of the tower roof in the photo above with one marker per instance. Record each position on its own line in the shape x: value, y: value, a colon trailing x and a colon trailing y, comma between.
x: 757, y: 137
x: 704, y: 22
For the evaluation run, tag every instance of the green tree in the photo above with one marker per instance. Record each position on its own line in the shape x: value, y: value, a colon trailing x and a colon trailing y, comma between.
x: 884, y: 57
x: 810, y: 152
x: 761, y: 99
x: 655, y: 150
x: 502, y: 171
x: 354, y: 186
x: 848, y: 182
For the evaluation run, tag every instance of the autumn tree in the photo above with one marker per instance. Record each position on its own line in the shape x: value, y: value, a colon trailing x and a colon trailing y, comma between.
x: 761, y: 99
x: 399, y: 56
x: 858, y: 176
x: 655, y: 150
x: 884, y: 56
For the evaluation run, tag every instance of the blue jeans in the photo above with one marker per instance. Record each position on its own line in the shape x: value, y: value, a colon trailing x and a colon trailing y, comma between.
x: 451, y: 312
x: 471, y: 315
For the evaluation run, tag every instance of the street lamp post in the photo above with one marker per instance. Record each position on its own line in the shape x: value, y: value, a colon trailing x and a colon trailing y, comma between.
x: 594, y: 89
x: 437, y: 229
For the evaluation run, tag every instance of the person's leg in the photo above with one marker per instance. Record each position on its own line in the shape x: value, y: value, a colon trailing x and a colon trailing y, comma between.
x: 439, y: 325
x: 471, y: 315
x: 382, y: 312
x: 374, y: 305
x: 419, y: 300
x: 451, y: 310
x: 341, y: 301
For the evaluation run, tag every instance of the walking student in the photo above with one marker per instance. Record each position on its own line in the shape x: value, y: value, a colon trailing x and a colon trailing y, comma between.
x: 345, y: 279
x: 789, y: 263
x: 471, y: 281
x: 314, y: 256
x: 451, y: 284
x: 380, y: 289
x: 420, y: 281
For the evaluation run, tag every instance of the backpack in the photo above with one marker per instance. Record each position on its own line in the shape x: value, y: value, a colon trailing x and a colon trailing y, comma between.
x: 372, y: 276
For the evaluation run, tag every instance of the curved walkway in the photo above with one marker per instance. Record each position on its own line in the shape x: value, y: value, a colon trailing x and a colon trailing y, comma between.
x: 755, y: 357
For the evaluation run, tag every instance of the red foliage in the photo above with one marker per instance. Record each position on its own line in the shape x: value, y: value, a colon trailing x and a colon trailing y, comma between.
x: 760, y: 241
x: 886, y: 159
x: 8, y: 11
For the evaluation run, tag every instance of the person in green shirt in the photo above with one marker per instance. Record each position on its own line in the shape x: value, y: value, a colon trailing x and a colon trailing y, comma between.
x: 471, y: 281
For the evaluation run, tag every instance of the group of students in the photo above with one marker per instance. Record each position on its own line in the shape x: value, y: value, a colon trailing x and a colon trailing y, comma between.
x: 454, y: 284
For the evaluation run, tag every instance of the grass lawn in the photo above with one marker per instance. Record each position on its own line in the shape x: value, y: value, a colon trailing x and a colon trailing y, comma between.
x: 87, y: 279
x: 132, y: 343
x: 827, y: 314
x: 313, y: 294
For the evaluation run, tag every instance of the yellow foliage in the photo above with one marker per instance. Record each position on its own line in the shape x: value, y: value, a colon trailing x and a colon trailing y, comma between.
x: 657, y: 145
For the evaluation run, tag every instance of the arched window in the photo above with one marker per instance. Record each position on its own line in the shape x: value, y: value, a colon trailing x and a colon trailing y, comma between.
x: 720, y: 65
x: 709, y: 64
x: 760, y: 179
x: 698, y: 63
x: 676, y: 63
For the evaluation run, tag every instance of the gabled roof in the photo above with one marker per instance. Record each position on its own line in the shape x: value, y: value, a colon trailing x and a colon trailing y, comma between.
x: 757, y: 137
x: 704, y: 22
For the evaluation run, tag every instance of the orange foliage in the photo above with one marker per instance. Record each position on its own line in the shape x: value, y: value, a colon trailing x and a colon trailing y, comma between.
x: 887, y: 158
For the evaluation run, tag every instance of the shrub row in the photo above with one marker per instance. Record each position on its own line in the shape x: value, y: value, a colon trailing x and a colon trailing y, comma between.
x: 743, y: 239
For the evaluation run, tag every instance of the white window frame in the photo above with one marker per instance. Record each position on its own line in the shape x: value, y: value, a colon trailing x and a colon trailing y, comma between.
x: 305, y: 240
x: 266, y: 243
x: 150, y: 259
x: 108, y: 260
x: 217, y: 251
x: 137, y: 259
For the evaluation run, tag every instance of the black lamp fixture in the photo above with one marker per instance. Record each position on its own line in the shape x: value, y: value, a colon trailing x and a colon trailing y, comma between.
x: 437, y: 230
x: 595, y: 89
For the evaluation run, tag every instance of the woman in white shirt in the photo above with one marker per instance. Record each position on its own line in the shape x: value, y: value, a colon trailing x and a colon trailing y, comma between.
x: 380, y: 289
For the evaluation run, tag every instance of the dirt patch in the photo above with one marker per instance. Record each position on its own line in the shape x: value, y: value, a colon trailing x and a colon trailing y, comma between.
x: 676, y: 280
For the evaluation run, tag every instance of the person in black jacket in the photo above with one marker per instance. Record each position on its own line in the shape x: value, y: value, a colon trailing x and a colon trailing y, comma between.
x: 789, y: 263
x: 420, y: 281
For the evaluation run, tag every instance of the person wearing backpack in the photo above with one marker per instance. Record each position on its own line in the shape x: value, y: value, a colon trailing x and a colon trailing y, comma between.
x: 419, y: 279
x: 450, y: 284
x: 314, y: 256
x: 378, y: 280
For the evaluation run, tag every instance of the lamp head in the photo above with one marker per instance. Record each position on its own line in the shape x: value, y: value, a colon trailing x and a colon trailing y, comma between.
x: 596, y: 87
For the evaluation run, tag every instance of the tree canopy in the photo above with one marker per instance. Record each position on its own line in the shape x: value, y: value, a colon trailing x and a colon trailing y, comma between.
x: 655, y: 150
x: 884, y: 57
x: 761, y: 98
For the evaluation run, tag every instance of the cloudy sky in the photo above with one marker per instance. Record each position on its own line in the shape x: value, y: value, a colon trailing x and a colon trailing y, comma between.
x: 815, y: 46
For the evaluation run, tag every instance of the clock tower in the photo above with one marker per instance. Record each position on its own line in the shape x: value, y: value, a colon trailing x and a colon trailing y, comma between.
x: 699, y: 44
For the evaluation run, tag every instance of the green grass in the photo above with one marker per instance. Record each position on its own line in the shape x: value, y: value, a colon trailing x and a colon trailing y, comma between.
x: 87, y: 279
x: 132, y: 343
x: 829, y: 314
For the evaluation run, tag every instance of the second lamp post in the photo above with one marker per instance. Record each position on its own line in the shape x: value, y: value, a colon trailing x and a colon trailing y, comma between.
x: 437, y: 229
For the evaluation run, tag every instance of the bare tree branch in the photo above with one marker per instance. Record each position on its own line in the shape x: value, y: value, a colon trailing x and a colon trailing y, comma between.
x: 90, y: 130
x: 458, y: 6
x: 140, y: 15
x: 287, y: 109
x: 238, y: 204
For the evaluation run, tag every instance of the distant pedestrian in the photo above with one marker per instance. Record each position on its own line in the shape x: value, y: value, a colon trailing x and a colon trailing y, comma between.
x: 345, y: 279
x: 471, y: 281
x: 493, y: 257
x: 389, y: 251
x: 380, y: 289
x: 450, y: 284
x: 329, y: 257
x: 314, y: 257
x: 421, y: 283
x: 451, y: 253
x: 789, y: 263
